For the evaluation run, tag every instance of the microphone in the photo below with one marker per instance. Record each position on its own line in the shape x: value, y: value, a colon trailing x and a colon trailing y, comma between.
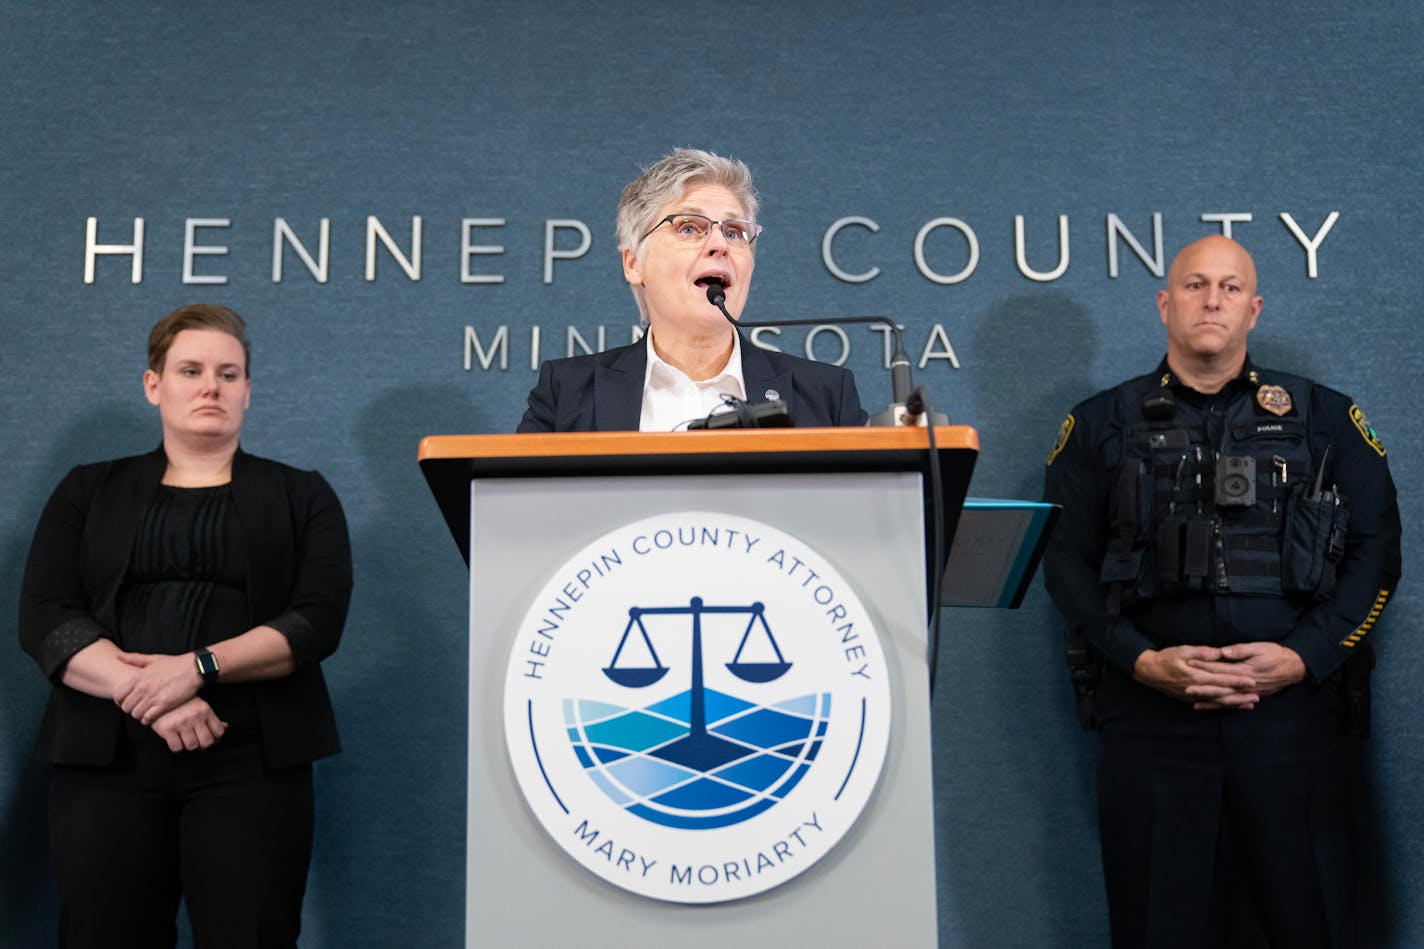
x: 744, y: 414
x: 910, y: 409
x: 907, y: 404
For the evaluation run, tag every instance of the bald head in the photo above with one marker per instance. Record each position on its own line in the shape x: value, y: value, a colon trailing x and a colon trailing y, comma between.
x: 1222, y: 255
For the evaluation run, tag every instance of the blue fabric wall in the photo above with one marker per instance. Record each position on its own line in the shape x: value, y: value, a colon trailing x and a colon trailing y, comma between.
x: 901, y: 113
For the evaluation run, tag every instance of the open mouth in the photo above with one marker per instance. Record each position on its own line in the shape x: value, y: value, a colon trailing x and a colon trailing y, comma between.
x: 711, y: 280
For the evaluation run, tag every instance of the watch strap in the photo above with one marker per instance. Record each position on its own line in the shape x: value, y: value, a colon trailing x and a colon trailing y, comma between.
x: 207, y: 665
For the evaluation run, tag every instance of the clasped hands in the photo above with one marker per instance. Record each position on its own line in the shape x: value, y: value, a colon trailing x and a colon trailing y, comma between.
x: 162, y: 693
x: 1236, y: 676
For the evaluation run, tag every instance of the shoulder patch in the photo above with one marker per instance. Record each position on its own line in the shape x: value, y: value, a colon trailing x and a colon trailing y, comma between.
x: 1366, y: 430
x: 1064, y: 431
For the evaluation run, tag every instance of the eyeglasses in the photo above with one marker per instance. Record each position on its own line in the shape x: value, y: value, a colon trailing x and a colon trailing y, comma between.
x: 694, y: 228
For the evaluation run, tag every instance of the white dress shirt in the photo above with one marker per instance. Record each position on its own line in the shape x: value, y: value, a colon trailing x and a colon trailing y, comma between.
x: 671, y: 399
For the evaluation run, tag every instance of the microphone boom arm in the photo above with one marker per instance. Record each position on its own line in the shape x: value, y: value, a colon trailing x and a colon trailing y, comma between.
x: 902, y: 391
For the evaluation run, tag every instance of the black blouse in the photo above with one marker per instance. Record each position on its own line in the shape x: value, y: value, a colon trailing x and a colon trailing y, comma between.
x: 186, y: 587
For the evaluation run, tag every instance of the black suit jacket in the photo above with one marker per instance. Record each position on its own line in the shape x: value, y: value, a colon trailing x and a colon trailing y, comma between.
x: 298, y: 581
x: 603, y: 392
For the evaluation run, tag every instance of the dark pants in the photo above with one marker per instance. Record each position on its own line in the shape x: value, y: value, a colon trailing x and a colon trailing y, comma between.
x: 212, y: 827
x: 1226, y: 829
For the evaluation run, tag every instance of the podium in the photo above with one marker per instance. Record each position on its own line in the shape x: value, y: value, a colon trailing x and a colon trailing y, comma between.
x: 812, y: 542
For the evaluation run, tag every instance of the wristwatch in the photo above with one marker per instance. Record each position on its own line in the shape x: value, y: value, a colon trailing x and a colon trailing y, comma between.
x: 207, y: 665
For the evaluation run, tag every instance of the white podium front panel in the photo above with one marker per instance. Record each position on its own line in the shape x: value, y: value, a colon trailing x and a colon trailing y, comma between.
x: 875, y: 887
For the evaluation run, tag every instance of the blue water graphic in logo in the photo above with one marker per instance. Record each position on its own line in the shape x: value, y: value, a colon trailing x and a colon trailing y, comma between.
x: 654, y: 762
x: 681, y: 704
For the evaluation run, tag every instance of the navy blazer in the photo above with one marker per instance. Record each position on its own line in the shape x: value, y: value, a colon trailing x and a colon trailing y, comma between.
x: 298, y: 582
x: 603, y: 392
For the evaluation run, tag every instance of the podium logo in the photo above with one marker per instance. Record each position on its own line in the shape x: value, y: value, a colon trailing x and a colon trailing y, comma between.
x: 697, y: 707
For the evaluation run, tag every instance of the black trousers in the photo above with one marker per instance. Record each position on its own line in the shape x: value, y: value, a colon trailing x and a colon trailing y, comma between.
x: 1226, y: 829
x: 212, y: 827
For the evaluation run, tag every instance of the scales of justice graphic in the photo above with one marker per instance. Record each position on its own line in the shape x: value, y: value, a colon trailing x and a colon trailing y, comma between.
x: 699, y: 750
x: 690, y: 728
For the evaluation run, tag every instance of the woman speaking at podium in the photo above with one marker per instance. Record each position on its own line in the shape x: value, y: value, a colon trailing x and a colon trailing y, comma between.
x: 181, y: 602
x: 687, y: 224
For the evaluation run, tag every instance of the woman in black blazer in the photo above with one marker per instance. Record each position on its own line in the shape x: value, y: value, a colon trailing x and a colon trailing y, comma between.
x: 686, y: 225
x: 181, y: 603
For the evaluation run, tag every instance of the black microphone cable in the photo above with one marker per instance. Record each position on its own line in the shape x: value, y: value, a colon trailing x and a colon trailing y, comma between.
x: 916, y: 405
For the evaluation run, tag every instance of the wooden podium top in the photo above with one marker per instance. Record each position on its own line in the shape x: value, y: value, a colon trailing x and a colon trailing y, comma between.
x: 753, y: 440
x: 450, y: 462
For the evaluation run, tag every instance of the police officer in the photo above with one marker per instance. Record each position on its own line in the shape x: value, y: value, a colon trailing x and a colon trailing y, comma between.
x: 1229, y: 538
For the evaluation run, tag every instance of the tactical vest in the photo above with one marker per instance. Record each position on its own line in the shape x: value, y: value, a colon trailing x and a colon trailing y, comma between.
x: 1202, y: 495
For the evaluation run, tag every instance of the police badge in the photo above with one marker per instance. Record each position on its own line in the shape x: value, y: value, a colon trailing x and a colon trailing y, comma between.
x: 1274, y: 399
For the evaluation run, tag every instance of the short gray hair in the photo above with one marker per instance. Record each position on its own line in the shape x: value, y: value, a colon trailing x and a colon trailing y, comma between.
x: 668, y: 178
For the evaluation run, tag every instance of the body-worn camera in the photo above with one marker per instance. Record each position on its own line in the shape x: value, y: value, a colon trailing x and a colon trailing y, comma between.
x: 1235, y: 481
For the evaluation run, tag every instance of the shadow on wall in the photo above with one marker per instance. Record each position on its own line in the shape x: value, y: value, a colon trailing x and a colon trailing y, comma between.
x: 1041, y: 350
x: 1017, y: 834
x: 28, y: 908
x: 390, y: 842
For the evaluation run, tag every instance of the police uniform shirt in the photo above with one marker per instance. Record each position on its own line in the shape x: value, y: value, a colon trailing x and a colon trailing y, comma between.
x: 1082, y: 476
